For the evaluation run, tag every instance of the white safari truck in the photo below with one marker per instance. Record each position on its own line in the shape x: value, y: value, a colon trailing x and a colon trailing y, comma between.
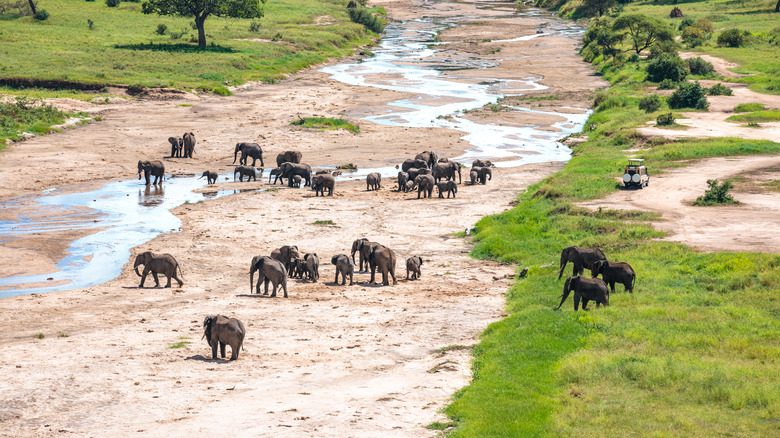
x: 635, y: 174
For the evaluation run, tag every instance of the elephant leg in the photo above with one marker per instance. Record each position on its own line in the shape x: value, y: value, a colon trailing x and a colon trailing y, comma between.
x: 392, y: 274
x: 407, y: 275
x: 222, y: 349
x: 234, y: 351
x: 266, y: 286
x: 612, y: 286
x: 336, y: 280
x: 350, y: 279
x: 576, y: 300
x: 156, y: 280
x: 585, y: 303
x: 143, y: 276
x: 168, y: 284
x: 284, y: 288
x: 214, y: 350
x: 275, y: 285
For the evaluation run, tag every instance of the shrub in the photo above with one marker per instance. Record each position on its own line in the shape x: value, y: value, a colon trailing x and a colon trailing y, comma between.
x: 650, y: 103
x: 162, y: 29
x: 254, y: 26
x: 665, y: 119
x: 667, y: 84
x: 90, y: 24
x: 685, y: 23
x: 665, y: 47
x: 113, y: 3
x: 90, y: 0
x: 749, y: 107
x: 367, y: 19
x: 692, y: 32
x: 698, y: 66
x: 731, y: 38
x: 41, y: 15
x: 666, y: 67
x: 716, y: 194
x: 694, y: 42
x: 633, y: 58
x: 705, y: 25
x: 222, y: 91
x: 176, y: 35
x: 719, y: 90
x: 689, y: 95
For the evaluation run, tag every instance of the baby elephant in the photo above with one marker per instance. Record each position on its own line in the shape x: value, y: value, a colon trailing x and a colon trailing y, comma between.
x: 413, y: 266
x: 589, y: 289
x: 373, y: 181
x: 345, y: 266
x: 448, y: 187
x: 296, y: 181
x: 244, y: 171
x: 320, y: 183
x: 157, y: 264
x: 403, y: 177
x: 615, y: 272
x: 211, y: 177
x: 220, y: 331
x: 312, y: 266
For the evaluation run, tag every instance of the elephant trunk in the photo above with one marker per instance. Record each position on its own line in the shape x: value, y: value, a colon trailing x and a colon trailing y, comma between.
x: 235, y: 154
x: 564, y: 260
x: 566, y: 291
x: 135, y: 266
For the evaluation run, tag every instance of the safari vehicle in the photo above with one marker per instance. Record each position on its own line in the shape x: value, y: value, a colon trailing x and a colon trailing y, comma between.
x: 635, y: 174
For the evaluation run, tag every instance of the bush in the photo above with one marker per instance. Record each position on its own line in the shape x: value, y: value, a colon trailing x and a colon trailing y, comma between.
x: 665, y: 47
x: 162, y: 29
x: 666, y: 67
x: 689, y: 95
x: 665, y: 119
x: 719, y: 90
x: 222, y: 91
x: 716, y: 194
x: 633, y: 58
x: 698, y: 66
x: 667, y: 84
x: 90, y: 24
x: 732, y: 38
x: 685, y: 23
x: 650, y: 103
x: 692, y: 32
x: 41, y: 15
x: 694, y: 42
x: 254, y: 26
x: 367, y: 19
x: 705, y: 25
x: 113, y: 3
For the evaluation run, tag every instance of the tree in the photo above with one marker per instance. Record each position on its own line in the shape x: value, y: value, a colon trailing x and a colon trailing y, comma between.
x: 32, y: 6
x: 202, y: 9
x: 643, y: 30
x: 599, y: 6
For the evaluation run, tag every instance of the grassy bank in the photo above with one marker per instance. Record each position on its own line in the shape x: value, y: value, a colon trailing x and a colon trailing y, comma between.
x: 90, y: 42
x: 28, y: 115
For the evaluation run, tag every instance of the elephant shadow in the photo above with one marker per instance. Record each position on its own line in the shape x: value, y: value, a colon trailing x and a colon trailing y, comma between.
x: 258, y: 296
x: 202, y: 358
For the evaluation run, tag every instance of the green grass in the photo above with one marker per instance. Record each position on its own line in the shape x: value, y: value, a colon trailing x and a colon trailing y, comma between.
x: 325, y: 222
x: 183, y: 342
x: 40, y: 336
x: 756, y: 116
x: 123, y: 47
x: 326, y: 123
x: 749, y: 107
x: 28, y: 115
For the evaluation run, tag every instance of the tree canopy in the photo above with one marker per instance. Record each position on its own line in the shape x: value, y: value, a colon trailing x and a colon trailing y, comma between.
x: 599, y: 6
x: 643, y: 30
x: 201, y: 9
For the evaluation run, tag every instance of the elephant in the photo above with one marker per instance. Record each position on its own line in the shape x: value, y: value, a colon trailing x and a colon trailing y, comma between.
x: 481, y: 163
x: 322, y: 182
x: 248, y: 150
x: 176, y: 146
x: 474, y: 175
x: 158, y: 264
x: 286, y: 254
x: 296, y: 181
x: 155, y: 168
x: 344, y: 266
x: 188, y: 144
x: 373, y: 181
x: 581, y: 257
x: 363, y: 248
x: 277, y: 173
x: 288, y: 157
x: 382, y: 258
x: 424, y: 184
x: 586, y: 288
x: 429, y: 157
x: 615, y: 272
x: 447, y: 186
x: 413, y: 164
x: 409, y: 186
x: 414, y: 172
x: 413, y: 266
x: 403, y: 177
x: 312, y: 264
x: 287, y: 170
x: 446, y: 170
x: 269, y: 269
x: 242, y: 171
x: 485, y: 174
x: 220, y: 331
x: 298, y: 269
x: 211, y: 177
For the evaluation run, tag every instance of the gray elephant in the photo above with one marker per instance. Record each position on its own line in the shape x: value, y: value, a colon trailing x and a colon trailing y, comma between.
x: 296, y: 181
x: 373, y: 181
x: 176, y: 146
x: 413, y: 164
x: 320, y: 183
x: 287, y: 255
x: 344, y: 266
x: 188, y: 140
x: 403, y: 177
x: 211, y: 177
x: 446, y: 170
x: 248, y: 150
x: 581, y: 257
x: 157, y: 264
x: 474, y: 175
x: 155, y: 168
x: 288, y: 157
x: 429, y: 157
x: 244, y: 171
x: 485, y: 174
x: 615, y: 272
x: 275, y: 173
x: 589, y: 289
x: 288, y: 170
x: 413, y: 267
x: 414, y: 173
x: 269, y: 269
x: 220, y: 331
x: 383, y: 259
x: 312, y: 264
x: 409, y: 186
x: 448, y: 187
x: 424, y: 184
x: 363, y: 248
x: 482, y: 163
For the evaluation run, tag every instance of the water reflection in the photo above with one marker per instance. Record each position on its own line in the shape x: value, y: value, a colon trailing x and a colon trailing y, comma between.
x: 151, y: 195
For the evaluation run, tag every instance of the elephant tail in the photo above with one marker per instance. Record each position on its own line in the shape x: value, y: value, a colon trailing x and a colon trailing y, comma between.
x: 181, y: 274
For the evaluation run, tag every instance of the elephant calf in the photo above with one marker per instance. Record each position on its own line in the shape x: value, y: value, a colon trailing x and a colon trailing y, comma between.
x: 157, y: 264
x: 448, y: 187
x: 614, y: 272
x: 176, y: 146
x: 413, y: 266
x: 244, y: 171
x: 424, y: 184
x: 211, y: 177
x: 220, y: 331
x: 589, y: 289
x: 320, y: 183
x: 312, y: 267
x: 373, y: 181
x: 296, y: 181
x: 403, y: 177
x: 344, y: 266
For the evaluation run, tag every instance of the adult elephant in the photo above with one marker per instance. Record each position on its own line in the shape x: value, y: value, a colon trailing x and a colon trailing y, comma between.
x: 323, y: 182
x: 244, y: 171
x: 155, y: 168
x: 588, y: 289
x: 269, y: 270
x: 176, y: 146
x: 363, y: 247
x: 429, y: 157
x: 288, y: 157
x: 446, y: 170
x: 581, y: 257
x: 424, y: 185
x: 157, y: 264
x: 383, y: 259
x: 220, y: 331
x: 287, y: 255
x: 482, y: 163
x: 288, y: 169
x: 248, y: 150
x: 615, y: 272
x: 413, y: 164
x: 484, y: 174
x: 188, y: 144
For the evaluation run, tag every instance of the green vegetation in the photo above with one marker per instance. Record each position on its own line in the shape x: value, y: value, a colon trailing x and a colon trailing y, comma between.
x: 40, y: 336
x: 749, y: 107
x: 28, y: 115
x: 650, y: 104
x: 756, y: 116
x: 326, y: 123
x: 717, y: 194
x: 325, y: 222
x: 183, y: 342
x: 366, y: 18
x: 719, y: 90
x: 665, y: 119
x: 689, y: 95
x: 123, y: 46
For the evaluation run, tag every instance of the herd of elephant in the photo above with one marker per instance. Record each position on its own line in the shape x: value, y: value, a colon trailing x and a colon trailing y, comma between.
x: 594, y: 288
